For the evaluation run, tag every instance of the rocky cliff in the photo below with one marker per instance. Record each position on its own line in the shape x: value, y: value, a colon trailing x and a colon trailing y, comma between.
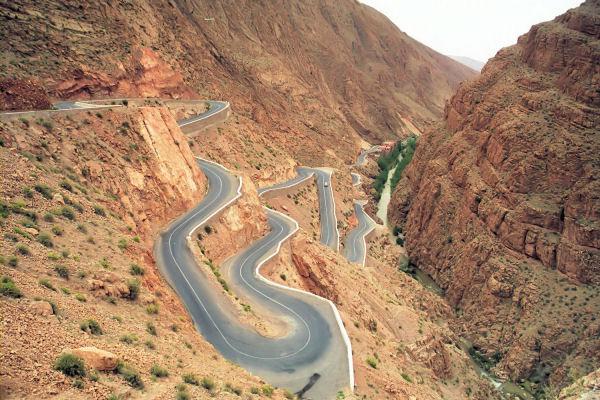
x: 501, y: 203
x: 309, y: 70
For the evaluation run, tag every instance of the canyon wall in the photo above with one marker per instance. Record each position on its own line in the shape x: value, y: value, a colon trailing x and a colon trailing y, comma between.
x: 307, y: 70
x: 501, y: 202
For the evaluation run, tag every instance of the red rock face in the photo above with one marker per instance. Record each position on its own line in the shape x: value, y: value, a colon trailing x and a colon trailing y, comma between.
x: 19, y: 94
x: 501, y: 204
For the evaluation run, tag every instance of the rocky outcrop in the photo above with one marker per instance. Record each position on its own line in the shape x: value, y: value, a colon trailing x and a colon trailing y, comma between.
x: 20, y: 94
x: 97, y: 359
x: 500, y: 203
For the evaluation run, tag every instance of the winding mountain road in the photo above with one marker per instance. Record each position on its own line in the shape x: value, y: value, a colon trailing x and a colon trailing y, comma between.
x: 355, y: 246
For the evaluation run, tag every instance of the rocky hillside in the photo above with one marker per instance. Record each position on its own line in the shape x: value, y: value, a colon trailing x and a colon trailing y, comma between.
x: 501, y: 203
x: 318, y: 70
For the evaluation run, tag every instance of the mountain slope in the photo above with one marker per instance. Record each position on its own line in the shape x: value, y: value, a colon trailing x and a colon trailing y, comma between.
x: 469, y: 62
x: 500, y: 204
x: 314, y: 70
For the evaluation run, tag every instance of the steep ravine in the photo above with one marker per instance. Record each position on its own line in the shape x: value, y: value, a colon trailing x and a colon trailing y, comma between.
x: 499, y: 205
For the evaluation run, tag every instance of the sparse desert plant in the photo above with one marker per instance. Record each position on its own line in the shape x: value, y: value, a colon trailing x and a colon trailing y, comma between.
x: 128, y: 338
x: 232, y: 389
x: 24, y: 250
x: 152, y: 309
x: 27, y: 192
x: 68, y: 213
x: 13, y: 261
x: 254, y: 390
x: 53, y: 256
x: 44, y: 190
x: 47, y: 284
x: 48, y: 217
x: 406, y: 377
x: 268, y: 390
x: 99, y: 210
x: 372, y: 362
x: 91, y: 326
x: 150, y: 328
x: 57, y: 230
x: 134, y: 289
x: 78, y: 383
x: 8, y: 288
x: 135, y: 269
x: 45, y: 239
x: 81, y: 228
x: 191, y: 379
x: 131, y: 376
x: 122, y: 244
x: 66, y: 185
x: 80, y: 297
x: 65, y: 290
x: 150, y: 344
x: 62, y: 271
x: 158, y: 371
x: 70, y: 365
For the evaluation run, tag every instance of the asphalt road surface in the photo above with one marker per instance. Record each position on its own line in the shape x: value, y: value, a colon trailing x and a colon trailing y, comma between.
x: 355, y: 246
x: 313, y: 348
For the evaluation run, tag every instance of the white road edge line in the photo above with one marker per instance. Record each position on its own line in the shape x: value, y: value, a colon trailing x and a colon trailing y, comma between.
x: 209, y: 115
x: 336, y: 313
x: 364, y: 238
x: 270, y: 189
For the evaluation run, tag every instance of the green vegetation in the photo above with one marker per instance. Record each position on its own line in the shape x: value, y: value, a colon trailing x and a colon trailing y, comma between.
x: 389, y: 161
x: 48, y: 217
x: 91, y: 326
x: 207, y: 383
x: 47, y: 284
x: 158, y: 371
x: 13, y: 261
x: 99, y: 210
x: 150, y: 328
x: 372, y: 362
x: 57, y: 230
x: 191, y: 379
x: 80, y: 297
x: 128, y: 338
x: 131, y: 376
x: 70, y: 365
x: 8, y: 288
x: 134, y: 289
x: 268, y: 390
x: 24, y: 250
x: 62, y: 271
x: 45, y: 239
x: 122, y: 244
x: 406, y: 377
x: 407, y: 154
x: 152, y: 309
x: 135, y: 269
x: 68, y: 213
x: 44, y: 190
x: 228, y: 387
x: 66, y: 185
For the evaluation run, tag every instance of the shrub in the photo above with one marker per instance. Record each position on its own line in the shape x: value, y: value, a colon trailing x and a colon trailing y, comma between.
x: 78, y: 383
x: 125, y: 103
x: 48, y: 217
x: 22, y: 249
x: 174, y: 328
x: 57, y: 230
x: 47, y: 284
x: 134, y: 288
x: 406, y: 377
x: 150, y: 344
x: 65, y: 290
x: 28, y: 223
x: 268, y: 390
x: 104, y: 263
x: 80, y: 297
x: 27, y: 192
x: 130, y: 376
x: 99, y: 210
x: 45, y: 239
x: 128, y: 338
x: 150, y: 328
x: 191, y: 379
x: 232, y: 389
x: 13, y: 261
x: 8, y: 288
x: 81, y: 228
x: 70, y: 365
x: 44, y: 190
x: 68, y: 213
x: 372, y: 362
x: 152, y: 309
x: 289, y: 395
x: 122, y: 244
x: 53, y: 256
x: 208, y: 229
x: 254, y: 390
x: 182, y: 395
x: 91, y: 326
x: 135, y: 269
x: 159, y: 371
x: 66, y: 185
x: 136, y: 239
x: 11, y: 237
x: 62, y: 271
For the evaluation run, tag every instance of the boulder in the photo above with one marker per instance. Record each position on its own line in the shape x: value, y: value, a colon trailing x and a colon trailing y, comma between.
x: 98, y: 359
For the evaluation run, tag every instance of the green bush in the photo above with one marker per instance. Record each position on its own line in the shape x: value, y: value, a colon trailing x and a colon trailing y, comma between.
x: 135, y: 269
x: 122, y: 244
x: 45, y: 239
x: 57, y: 230
x: 406, y: 377
x: 62, y: 271
x: 268, y: 390
x: 70, y: 365
x: 47, y: 284
x: 68, y: 213
x: 48, y: 217
x: 159, y: 371
x: 134, y: 289
x: 78, y: 383
x: 91, y: 326
x: 128, y: 338
x: 254, y: 390
x: 27, y: 192
x: 150, y: 328
x: 80, y: 297
x: 13, y: 261
x: 24, y: 250
x: 44, y: 190
x: 99, y: 210
x: 372, y: 362
x: 232, y: 389
x: 150, y: 344
x: 66, y: 185
x: 152, y: 309
x: 191, y: 379
x: 8, y: 288
x: 130, y: 376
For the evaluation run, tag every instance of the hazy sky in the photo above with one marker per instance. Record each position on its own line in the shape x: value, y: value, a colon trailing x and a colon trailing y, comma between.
x: 472, y: 28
